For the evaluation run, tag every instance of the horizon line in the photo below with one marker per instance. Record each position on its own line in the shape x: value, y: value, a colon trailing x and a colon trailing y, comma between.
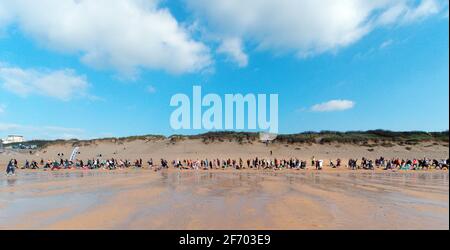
x: 234, y: 132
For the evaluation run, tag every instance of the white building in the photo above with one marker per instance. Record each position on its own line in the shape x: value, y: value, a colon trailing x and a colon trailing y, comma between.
x: 13, y: 139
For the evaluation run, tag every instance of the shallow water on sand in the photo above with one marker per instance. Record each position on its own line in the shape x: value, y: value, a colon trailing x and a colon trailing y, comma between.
x: 143, y: 199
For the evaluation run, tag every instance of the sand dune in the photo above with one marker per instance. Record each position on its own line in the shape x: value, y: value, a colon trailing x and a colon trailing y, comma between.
x: 197, y: 149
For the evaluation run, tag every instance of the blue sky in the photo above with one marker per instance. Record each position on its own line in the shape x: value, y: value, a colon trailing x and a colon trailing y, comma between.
x: 112, y: 72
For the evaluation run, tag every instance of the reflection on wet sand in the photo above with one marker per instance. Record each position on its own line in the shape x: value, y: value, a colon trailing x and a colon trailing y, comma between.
x: 140, y: 199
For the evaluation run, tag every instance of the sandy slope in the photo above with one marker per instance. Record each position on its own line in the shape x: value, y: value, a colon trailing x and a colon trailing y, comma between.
x: 196, y: 149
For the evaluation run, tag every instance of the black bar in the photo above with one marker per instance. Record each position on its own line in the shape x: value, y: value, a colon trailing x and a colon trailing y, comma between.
x: 173, y: 239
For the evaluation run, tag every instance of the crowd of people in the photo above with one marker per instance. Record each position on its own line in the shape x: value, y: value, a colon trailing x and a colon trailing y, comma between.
x: 255, y: 163
x: 66, y: 164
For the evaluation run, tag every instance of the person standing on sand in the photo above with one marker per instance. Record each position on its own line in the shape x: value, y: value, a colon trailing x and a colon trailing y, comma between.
x: 11, y: 169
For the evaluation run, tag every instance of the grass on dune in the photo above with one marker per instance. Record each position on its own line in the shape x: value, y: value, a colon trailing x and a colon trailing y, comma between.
x: 383, y: 138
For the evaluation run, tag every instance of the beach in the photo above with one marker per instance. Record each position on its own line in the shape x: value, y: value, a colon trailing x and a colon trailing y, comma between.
x: 141, y: 198
x: 224, y: 115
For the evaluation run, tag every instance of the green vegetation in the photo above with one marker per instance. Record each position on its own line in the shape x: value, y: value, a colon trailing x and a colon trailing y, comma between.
x: 365, y: 138
x: 76, y: 142
x: 383, y: 137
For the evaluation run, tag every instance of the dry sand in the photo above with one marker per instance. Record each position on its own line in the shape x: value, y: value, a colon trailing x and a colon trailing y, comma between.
x: 225, y: 199
x: 196, y: 149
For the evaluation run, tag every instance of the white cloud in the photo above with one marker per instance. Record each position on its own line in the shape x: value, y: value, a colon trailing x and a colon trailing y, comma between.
x: 6, y: 127
x: 5, y: 17
x: 61, y: 84
x: 151, y: 89
x: 333, y: 105
x: 2, y: 108
x: 42, y: 132
x: 386, y: 44
x: 128, y: 35
x: 403, y: 12
x: 307, y: 27
x: 123, y: 34
x: 232, y: 47
x: 426, y: 8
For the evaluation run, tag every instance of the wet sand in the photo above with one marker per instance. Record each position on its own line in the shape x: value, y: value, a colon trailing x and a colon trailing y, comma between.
x: 144, y: 199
